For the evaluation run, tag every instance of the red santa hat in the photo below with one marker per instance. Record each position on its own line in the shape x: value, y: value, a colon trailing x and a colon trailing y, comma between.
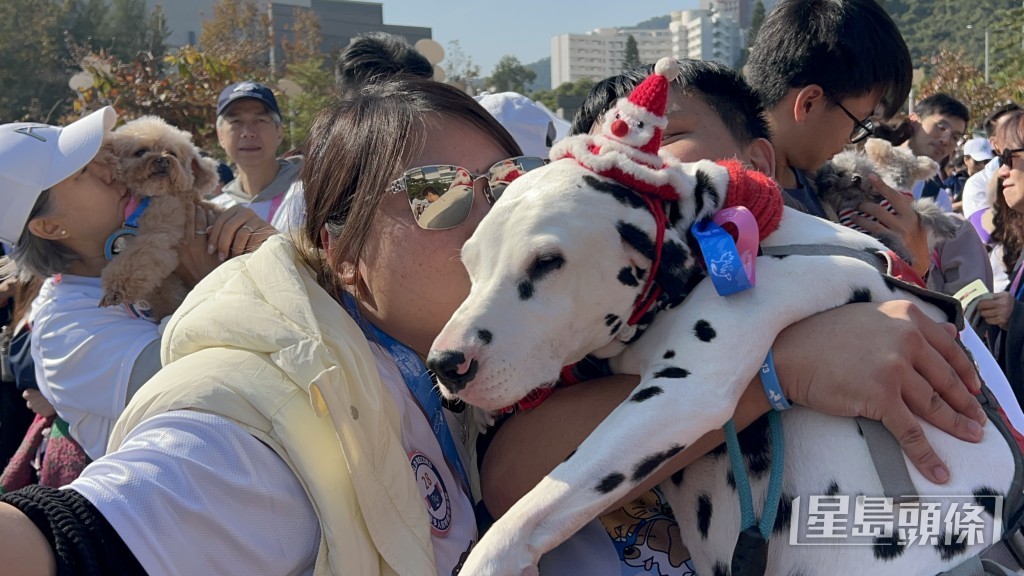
x: 649, y: 100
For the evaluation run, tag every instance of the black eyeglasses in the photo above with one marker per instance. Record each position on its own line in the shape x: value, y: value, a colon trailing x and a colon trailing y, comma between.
x: 861, y: 128
x: 1006, y: 156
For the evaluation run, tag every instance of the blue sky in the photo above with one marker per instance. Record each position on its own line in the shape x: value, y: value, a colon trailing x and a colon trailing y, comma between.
x: 488, y: 29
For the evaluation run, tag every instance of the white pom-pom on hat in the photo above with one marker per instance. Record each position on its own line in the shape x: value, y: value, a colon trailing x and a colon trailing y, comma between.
x: 668, y: 68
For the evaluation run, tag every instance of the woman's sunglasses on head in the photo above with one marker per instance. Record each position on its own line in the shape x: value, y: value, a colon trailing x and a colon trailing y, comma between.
x: 441, y: 195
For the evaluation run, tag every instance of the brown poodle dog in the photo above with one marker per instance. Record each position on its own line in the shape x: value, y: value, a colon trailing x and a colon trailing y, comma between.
x: 159, y: 162
x: 843, y: 184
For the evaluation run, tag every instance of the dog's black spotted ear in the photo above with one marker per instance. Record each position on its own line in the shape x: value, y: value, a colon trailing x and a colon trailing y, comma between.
x: 205, y: 172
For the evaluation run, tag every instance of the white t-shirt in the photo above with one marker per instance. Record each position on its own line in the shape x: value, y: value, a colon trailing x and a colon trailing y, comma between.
x: 976, y: 188
x: 245, y: 511
x: 85, y: 356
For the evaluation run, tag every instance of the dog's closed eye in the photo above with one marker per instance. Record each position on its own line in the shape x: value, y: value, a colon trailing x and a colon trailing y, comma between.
x: 545, y: 264
x: 140, y: 152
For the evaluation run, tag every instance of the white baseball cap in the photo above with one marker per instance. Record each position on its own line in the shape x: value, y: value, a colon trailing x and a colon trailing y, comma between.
x: 532, y: 125
x: 979, y: 148
x: 35, y: 157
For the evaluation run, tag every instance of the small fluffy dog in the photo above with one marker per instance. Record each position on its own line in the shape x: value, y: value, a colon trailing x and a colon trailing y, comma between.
x: 159, y: 162
x: 842, y: 185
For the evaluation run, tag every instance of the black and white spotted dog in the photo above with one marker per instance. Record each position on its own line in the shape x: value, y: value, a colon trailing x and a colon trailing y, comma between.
x: 556, y: 267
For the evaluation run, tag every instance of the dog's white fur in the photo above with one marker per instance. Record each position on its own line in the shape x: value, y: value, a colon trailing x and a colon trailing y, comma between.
x: 560, y: 236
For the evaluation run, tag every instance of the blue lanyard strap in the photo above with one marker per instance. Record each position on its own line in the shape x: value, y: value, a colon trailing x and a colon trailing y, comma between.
x: 417, y: 379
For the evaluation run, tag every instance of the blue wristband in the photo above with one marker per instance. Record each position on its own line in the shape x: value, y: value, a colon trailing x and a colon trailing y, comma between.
x: 770, y: 383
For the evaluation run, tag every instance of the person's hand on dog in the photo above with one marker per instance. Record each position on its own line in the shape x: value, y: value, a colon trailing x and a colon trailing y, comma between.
x: 886, y: 362
x: 997, y: 310
x: 904, y: 224
x: 194, y: 260
x: 237, y: 230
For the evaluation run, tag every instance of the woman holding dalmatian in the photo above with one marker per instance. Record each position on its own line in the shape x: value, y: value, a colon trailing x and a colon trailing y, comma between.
x: 61, y: 204
x: 294, y: 428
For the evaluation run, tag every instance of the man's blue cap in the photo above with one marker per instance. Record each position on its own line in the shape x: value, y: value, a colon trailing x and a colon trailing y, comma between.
x: 252, y: 90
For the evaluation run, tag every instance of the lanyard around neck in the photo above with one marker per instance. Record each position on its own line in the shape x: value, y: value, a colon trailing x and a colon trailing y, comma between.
x: 421, y: 385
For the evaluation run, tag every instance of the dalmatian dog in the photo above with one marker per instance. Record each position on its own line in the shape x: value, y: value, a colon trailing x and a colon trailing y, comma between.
x: 557, y: 267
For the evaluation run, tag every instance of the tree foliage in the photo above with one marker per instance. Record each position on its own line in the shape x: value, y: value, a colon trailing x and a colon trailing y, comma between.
x: 510, y: 76
x: 239, y: 32
x: 182, y: 88
x: 306, y: 68
x: 568, y: 92
x: 632, y: 56
x: 953, y: 73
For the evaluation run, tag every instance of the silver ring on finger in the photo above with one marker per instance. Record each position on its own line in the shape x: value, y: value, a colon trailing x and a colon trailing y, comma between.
x: 249, y: 228
x: 200, y: 232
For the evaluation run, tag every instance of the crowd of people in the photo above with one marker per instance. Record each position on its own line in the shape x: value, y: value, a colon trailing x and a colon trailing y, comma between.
x: 282, y: 421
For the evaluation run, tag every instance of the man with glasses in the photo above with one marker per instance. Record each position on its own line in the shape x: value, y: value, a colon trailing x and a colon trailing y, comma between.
x: 939, y: 123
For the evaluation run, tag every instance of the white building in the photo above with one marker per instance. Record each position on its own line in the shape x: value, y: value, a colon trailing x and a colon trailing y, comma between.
x: 600, y: 53
x: 706, y: 35
x: 699, y: 34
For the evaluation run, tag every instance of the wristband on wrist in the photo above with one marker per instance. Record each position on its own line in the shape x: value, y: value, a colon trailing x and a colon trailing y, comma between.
x: 770, y: 383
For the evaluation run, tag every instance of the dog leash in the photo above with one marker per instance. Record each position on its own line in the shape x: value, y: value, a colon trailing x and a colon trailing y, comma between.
x: 115, y: 242
x: 750, y: 556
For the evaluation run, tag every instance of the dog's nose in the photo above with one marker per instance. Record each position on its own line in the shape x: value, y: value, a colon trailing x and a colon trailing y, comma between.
x: 161, y: 162
x: 451, y: 369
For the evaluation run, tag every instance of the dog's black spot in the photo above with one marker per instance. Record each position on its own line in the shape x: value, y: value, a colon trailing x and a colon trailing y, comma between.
x: 779, y: 256
x: 860, y: 295
x: 703, y: 189
x: 704, y: 515
x: 674, y: 214
x: 720, y: 569
x: 621, y: 193
x: 610, y: 319
x: 755, y: 445
x: 704, y: 331
x: 610, y: 482
x: 640, y: 272
x: 956, y: 546
x: 669, y: 354
x: 672, y: 372
x: 784, y: 515
x: 626, y: 277
x: 636, y: 239
x: 833, y: 489
x: 651, y: 463
x: 525, y: 290
x: 673, y: 275
x: 646, y: 394
x: 615, y: 329
x: 986, y: 498
x: 730, y: 479
x: 677, y: 477
x: 485, y: 336
x: 888, y: 547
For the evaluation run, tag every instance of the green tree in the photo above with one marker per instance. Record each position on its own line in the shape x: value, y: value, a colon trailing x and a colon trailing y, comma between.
x: 87, y: 23
x: 568, y: 96
x: 756, y: 19
x: 123, y: 26
x: 239, y: 32
x: 33, y: 78
x: 954, y: 74
x: 632, y: 57
x: 306, y: 69
x: 181, y: 88
x: 510, y: 76
x: 157, y: 32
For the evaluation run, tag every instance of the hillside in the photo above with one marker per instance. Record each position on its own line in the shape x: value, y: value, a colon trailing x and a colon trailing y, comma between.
x: 929, y: 25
